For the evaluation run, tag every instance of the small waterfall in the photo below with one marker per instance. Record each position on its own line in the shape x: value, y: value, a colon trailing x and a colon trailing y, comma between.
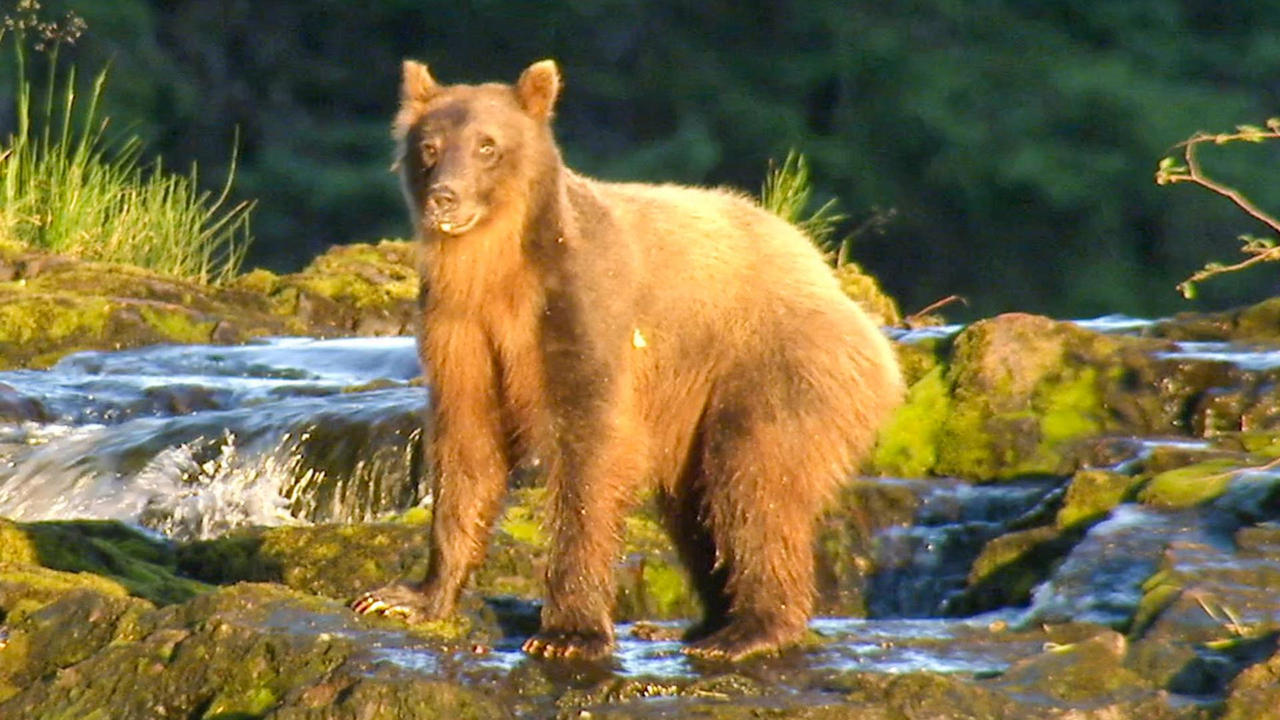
x: 921, y: 566
x: 192, y: 441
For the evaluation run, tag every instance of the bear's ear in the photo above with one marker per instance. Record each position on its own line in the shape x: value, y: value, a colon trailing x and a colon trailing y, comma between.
x: 417, y: 85
x: 538, y: 87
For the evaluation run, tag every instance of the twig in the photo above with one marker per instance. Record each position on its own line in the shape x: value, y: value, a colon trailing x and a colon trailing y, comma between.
x: 935, y: 305
x: 1170, y: 173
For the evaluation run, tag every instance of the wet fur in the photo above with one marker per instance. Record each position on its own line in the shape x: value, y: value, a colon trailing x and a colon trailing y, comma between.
x: 633, y: 336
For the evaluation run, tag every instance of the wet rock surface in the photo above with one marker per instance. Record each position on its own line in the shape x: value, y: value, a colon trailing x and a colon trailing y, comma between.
x: 52, y: 305
x: 1067, y: 520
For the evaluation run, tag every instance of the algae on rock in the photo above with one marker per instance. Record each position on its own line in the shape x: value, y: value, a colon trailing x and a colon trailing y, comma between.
x: 51, y: 305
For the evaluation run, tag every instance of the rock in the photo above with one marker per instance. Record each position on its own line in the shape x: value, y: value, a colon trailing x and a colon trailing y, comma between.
x: 244, y: 651
x: 1188, y: 486
x: 52, y: 305
x: 1088, y: 671
x: 1010, y: 566
x: 1255, y: 693
x: 1090, y: 496
x: 1019, y: 395
x: 109, y: 550
x: 1255, y: 323
x: 16, y: 407
x: 864, y: 288
x: 1017, y: 391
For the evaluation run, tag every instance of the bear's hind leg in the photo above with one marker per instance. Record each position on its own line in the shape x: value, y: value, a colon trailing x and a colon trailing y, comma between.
x: 682, y: 514
x: 767, y: 477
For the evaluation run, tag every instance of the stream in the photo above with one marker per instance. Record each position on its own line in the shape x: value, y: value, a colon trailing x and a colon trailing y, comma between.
x: 188, y: 442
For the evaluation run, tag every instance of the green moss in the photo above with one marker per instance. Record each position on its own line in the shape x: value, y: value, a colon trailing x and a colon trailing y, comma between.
x: 177, y: 324
x: 863, y: 288
x: 146, y: 567
x: 37, y: 329
x: 251, y: 703
x: 1004, y: 551
x: 971, y: 445
x: 918, y: 358
x: 1011, y: 566
x: 263, y: 282
x: 521, y: 521
x: 334, y: 561
x: 1261, y: 442
x: 236, y: 556
x: 908, y: 444
x: 415, y: 516
x: 1070, y: 408
x: 26, y: 588
x: 1091, y: 495
x: 669, y: 588
x: 1189, y: 486
x: 15, y: 545
x: 1158, y: 592
x: 362, y: 275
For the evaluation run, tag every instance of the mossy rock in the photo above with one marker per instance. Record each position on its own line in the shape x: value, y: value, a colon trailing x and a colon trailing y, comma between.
x: 919, y: 356
x: 52, y: 305
x: 60, y: 306
x: 1092, y: 494
x: 862, y: 287
x: 243, y: 652
x: 927, y: 695
x: 1089, y: 671
x: 908, y: 444
x: 1254, y: 323
x: 340, y: 561
x: 1024, y: 387
x: 334, y: 561
x: 358, y: 289
x: 844, y: 558
x: 1255, y: 693
x: 1014, y: 397
x: 25, y: 588
x: 1010, y: 566
x: 64, y: 631
x: 126, y: 558
x: 1189, y: 486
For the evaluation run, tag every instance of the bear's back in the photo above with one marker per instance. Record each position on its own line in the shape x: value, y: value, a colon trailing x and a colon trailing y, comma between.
x: 718, y: 254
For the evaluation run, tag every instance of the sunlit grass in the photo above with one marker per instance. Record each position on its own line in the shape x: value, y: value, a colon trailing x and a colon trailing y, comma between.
x: 788, y: 191
x: 67, y: 187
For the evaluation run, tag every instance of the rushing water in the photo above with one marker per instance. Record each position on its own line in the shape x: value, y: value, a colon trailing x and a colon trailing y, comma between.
x: 191, y: 441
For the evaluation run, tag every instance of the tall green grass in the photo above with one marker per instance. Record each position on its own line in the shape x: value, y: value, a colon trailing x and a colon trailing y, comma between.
x: 67, y: 187
x: 788, y: 191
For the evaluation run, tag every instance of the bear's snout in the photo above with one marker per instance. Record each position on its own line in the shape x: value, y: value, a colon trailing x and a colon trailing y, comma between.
x: 443, y: 205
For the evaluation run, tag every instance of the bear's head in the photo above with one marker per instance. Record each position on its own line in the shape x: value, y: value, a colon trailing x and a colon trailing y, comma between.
x: 471, y: 156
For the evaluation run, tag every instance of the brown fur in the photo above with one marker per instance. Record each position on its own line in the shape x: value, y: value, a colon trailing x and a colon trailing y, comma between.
x: 633, y: 336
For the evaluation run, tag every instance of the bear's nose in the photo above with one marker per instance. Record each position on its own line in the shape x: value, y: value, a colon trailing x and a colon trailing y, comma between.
x: 441, y: 200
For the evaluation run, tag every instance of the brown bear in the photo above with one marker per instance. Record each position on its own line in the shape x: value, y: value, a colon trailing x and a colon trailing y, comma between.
x: 632, y: 337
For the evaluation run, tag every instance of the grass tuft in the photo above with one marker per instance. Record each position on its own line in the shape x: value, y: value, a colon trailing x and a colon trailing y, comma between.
x: 787, y: 193
x: 66, y: 187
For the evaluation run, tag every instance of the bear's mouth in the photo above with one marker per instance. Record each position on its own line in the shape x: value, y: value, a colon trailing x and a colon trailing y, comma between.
x: 450, y: 226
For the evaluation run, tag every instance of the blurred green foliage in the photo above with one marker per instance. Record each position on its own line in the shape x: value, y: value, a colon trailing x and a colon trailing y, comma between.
x: 64, y: 188
x: 1015, y: 139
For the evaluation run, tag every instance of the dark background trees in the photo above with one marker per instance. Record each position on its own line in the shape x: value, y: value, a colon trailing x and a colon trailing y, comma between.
x: 1016, y: 140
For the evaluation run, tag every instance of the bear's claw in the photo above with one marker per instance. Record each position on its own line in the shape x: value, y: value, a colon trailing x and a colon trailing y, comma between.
x: 399, y: 601
x: 742, y: 640
x: 568, y: 646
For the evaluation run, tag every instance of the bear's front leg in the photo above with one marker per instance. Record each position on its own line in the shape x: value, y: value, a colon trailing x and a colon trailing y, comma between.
x: 465, y: 442
x: 592, y: 479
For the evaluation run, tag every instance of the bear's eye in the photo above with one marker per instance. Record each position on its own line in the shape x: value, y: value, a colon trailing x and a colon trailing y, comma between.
x: 488, y: 148
x: 429, y: 154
